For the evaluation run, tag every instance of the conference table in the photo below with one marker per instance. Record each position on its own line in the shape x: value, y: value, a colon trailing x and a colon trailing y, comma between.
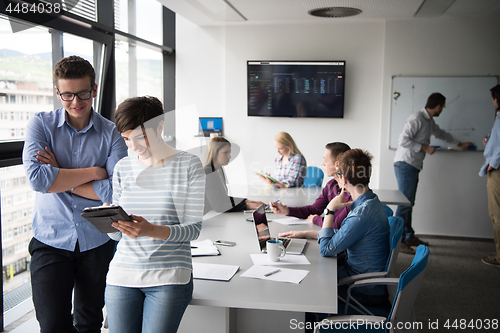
x: 244, y: 304
x: 252, y: 305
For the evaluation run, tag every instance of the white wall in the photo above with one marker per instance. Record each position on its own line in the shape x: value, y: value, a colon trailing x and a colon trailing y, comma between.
x: 211, y: 77
x: 255, y: 135
x: 451, y: 197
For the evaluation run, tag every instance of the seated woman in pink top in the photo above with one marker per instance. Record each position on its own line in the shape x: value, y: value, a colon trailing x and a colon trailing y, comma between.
x: 331, y: 190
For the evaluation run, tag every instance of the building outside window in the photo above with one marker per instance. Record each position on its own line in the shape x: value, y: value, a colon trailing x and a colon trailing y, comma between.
x: 26, y: 88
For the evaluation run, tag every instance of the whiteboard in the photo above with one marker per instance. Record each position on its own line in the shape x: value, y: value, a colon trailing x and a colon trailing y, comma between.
x: 469, y: 113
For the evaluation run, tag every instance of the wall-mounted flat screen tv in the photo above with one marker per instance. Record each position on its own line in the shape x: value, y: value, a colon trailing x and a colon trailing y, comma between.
x: 296, y: 88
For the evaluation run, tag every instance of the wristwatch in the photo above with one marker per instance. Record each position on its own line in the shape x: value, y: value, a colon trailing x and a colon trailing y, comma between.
x: 327, y: 211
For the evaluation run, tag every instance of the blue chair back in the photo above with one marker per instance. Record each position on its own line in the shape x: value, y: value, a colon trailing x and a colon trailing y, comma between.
x: 408, y: 287
x: 388, y: 210
x: 314, y: 177
x: 401, y: 311
x: 396, y: 225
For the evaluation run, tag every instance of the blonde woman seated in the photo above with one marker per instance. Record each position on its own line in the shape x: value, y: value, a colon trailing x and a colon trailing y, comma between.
x: 216, y: 193
x: 289, y: 165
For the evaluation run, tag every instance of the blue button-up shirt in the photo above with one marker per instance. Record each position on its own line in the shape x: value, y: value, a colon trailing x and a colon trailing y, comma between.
x: 492, y: 149
x: 56, y: 219
x: 364, y: 233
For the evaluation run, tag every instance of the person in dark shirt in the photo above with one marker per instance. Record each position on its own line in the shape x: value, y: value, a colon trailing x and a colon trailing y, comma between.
x: 331, y: 190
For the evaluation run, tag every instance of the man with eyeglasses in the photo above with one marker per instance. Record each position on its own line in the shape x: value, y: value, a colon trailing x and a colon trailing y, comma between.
x: 69, y: 155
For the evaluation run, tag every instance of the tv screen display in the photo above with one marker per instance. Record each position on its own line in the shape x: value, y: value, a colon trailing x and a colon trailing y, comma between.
x: 296, y: 88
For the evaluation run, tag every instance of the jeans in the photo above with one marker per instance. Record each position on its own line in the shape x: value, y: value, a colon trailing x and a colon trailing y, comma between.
x: 147, y: 310
x: 56, y: 274
x: 407, y: 177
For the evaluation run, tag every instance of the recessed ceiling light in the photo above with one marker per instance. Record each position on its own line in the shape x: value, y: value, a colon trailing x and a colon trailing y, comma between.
x: 335, y: 12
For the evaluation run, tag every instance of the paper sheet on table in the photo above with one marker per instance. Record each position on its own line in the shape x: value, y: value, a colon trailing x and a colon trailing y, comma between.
x: 291, y: 221
x: 284, y: 275
x: 292, y: 259
x: 204, y: 248
x: 214, y: 271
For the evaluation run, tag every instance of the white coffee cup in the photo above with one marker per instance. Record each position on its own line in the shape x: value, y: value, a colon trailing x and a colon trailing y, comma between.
x: 275, y: 250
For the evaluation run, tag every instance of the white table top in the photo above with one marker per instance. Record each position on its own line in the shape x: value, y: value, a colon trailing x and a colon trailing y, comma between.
x: 317, y: 292
x: 301, y: 196
x: 392, y: 197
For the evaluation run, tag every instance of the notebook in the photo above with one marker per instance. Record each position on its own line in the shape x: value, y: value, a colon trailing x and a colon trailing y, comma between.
x: 292, y: 245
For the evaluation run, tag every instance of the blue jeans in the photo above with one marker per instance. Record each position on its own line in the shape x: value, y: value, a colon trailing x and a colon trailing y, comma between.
x: 407, y: 177
x: 147, y: 310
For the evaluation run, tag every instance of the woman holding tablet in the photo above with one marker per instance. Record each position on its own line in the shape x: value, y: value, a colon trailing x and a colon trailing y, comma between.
x: 216, y: 193
x: 289, y: 165
x: 149, y: 282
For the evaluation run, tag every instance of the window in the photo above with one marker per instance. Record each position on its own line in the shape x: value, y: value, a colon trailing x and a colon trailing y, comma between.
x: 24, y: 75
x: 83, y: 8
x: 16, y: 231
x: 147, y: 14
x: 26, y: 87
x: 138, y: 72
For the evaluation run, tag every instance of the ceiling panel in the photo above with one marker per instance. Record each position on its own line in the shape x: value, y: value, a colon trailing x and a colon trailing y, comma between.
x: 470, y: 8
x: 227, y: 12
x: 289, y: 10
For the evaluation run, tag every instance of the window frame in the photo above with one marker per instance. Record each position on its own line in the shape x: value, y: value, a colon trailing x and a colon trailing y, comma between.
x: 104, y: 32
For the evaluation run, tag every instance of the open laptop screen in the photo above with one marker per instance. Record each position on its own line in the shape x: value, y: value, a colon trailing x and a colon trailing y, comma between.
x: 210, y: 125
x: 260, y: 220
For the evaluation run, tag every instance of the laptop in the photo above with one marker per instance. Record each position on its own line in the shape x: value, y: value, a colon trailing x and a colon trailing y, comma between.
x: 209, y: 125
x: 292, y: 245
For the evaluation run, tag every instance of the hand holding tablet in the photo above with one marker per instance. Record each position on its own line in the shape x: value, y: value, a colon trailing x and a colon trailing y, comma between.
x: 103, y: 216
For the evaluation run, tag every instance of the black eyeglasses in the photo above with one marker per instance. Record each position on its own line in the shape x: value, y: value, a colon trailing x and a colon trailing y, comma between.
x: 82, y: 95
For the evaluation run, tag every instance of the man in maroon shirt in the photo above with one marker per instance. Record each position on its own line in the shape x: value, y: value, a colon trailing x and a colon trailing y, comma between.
x: 331, y: 190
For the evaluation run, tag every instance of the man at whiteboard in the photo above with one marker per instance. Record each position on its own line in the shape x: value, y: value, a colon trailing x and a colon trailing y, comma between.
x: 413, y: 145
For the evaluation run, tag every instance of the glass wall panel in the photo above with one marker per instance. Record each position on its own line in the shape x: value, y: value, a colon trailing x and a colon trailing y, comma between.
x: 26, y: 88
x: 140, y: 18
x: 17, y: 214
x: 138, y: 72
x: 25, y: 78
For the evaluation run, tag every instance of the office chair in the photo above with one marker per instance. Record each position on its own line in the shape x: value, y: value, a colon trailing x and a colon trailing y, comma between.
x: 388, y: 210
x: 396, y: 225
x: 401, y: 314
x: 314, y: 177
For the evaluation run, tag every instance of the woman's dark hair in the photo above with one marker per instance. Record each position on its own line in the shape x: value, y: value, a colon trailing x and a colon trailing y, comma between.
x: 133, y: 112
x: 337, y: 148
x: 356, y: 166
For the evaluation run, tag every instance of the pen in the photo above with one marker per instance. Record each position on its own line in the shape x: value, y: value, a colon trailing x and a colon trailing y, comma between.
x: 194, y: 247
x: 270, y: 205
x: 271, y: 273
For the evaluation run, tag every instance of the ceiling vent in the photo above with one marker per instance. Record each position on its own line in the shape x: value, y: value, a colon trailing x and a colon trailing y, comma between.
x: 335, y: 12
